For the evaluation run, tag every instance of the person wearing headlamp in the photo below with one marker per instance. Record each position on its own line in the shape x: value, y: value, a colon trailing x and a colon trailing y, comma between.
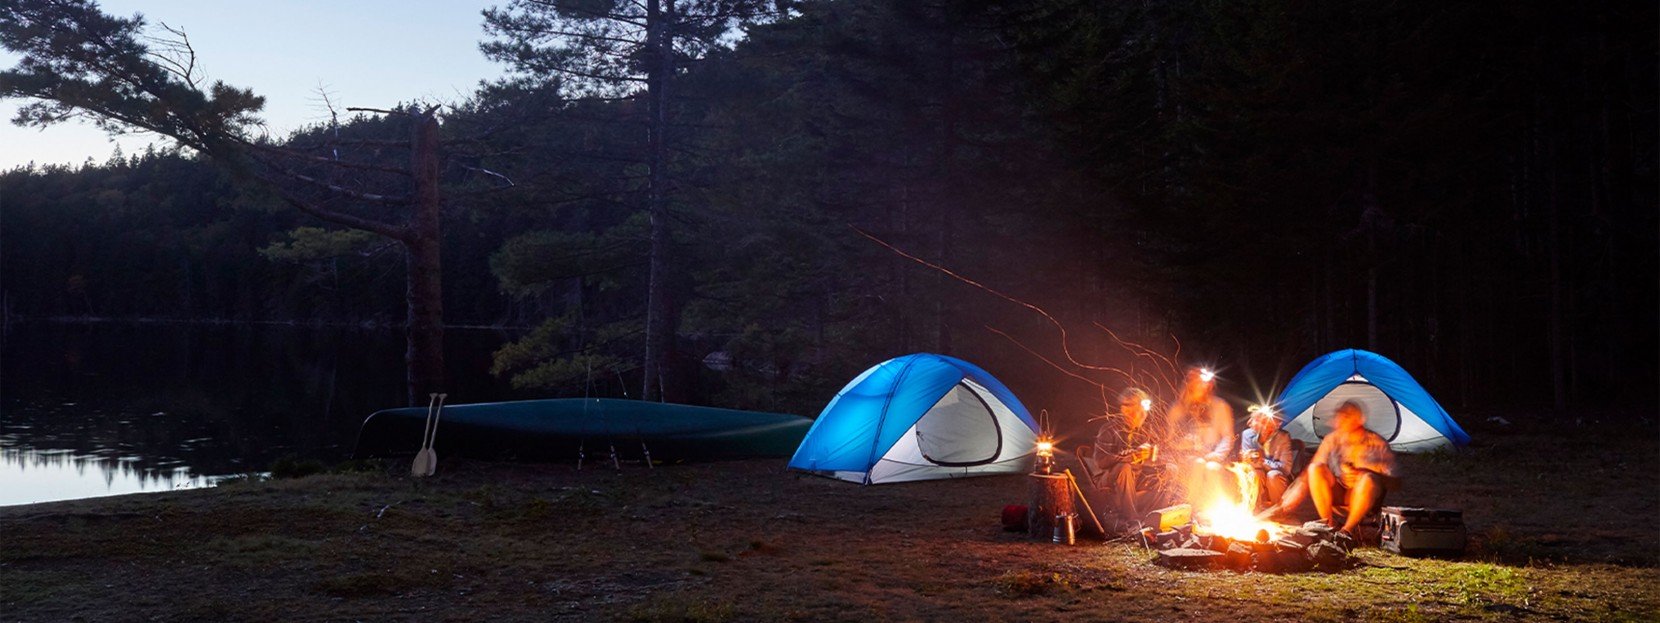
x: 1121, y: 460
x: 1201, y: 433
x: 1269, y: 451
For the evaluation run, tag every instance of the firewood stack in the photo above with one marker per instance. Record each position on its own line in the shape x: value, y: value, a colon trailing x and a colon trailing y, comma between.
x: 1314, y: 546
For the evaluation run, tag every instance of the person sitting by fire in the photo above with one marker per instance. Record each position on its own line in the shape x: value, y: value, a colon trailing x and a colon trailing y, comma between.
x: 1201, y: 433
x: 1269, y: 452
x: 1353, y: 464
x: 1120, y: 462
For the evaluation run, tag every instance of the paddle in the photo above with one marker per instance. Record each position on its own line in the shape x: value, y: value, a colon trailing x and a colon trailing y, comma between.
x: 1087, y: 509
x: 426, y: 461
x: 422, y: 458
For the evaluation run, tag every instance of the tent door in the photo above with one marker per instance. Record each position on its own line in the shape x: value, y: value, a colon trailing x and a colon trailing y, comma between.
x: 960, y: 430
x: 1383, y: 414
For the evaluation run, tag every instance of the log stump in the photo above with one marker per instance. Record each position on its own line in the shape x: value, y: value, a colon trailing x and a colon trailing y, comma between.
x: 1051, y: 496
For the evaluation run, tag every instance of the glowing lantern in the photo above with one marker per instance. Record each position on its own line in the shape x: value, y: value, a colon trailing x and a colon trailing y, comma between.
x: 1045, y: 456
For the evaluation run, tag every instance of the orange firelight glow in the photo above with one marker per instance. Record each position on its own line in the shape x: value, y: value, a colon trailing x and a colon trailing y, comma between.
x: 1226, y: 516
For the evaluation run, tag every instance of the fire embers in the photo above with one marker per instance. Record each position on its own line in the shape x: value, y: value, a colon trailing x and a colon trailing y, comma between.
x: 1312, y: 547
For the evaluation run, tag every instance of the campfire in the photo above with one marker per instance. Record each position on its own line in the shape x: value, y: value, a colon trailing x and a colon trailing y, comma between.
x: 1234, y: 519
x: 1225, y: 533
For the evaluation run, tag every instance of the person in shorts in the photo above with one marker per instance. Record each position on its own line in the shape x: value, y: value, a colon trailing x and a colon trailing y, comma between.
x: 1352, y: 464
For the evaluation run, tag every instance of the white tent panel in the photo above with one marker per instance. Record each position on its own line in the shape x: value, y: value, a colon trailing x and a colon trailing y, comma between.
x: 967, y: 433
x: 1383, y: 414
x: 1404, y: 430
x: 1019, y: 440
x: 887, y: 471
x: 1417, y: 435
x: 960, y: 429
x: 1300, y: 427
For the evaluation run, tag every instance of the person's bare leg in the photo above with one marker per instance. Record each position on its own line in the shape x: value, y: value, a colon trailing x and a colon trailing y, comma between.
x: 1293, y: 497
x: 1362, y: 499
x: 1276, y: 483
x: 1320, y: 484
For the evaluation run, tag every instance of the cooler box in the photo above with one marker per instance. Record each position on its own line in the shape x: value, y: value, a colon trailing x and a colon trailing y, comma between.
x: 1422, y: 531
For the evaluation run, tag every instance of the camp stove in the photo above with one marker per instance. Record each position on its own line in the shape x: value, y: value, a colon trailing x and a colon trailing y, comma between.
x: 1422, y: 531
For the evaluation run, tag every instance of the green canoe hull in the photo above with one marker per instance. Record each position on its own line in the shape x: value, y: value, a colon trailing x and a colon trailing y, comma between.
x: 563, y: 429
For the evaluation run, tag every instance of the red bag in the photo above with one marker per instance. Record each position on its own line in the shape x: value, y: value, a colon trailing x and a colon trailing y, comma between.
x: 1014, y: 518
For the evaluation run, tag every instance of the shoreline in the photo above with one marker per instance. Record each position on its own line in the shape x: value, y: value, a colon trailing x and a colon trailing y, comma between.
x: 748, y: 540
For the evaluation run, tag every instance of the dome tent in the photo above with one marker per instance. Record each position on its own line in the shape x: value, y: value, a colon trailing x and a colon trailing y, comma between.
x: 919, y: 417
x: 1396, y: 406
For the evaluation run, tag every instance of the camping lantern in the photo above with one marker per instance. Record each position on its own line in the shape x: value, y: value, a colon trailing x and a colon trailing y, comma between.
x: 1045, y: 456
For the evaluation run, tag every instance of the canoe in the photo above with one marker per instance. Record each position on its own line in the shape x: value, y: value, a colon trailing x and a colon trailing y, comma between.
x: 560, y: 429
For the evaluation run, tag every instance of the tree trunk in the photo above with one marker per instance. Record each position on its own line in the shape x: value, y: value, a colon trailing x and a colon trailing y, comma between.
x: 947, y: 204
x: 658, y: 330
x: 1558, y: 357
x: 1372, y: 301
x: 1372, y: 219
x: 425, y: 357
x: 1328, y: 326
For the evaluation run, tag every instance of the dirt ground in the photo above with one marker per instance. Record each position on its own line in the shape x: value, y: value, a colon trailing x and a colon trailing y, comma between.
x: 1561, y: 530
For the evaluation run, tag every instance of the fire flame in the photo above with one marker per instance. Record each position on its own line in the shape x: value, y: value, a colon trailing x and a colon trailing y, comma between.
x: 1225, y: 516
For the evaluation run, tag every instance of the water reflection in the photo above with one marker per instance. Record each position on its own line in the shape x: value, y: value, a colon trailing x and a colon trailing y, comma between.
x: 28, y: 476
x: 102, y: 409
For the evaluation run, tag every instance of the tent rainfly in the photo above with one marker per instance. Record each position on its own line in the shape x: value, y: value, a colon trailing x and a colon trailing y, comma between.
x: 1396, y: 406
x: 919, y: 417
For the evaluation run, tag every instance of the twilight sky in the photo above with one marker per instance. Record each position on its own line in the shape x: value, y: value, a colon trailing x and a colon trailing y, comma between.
x: 372, y: 53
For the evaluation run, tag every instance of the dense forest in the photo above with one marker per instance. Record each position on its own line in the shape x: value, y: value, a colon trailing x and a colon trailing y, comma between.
x: 745, y: 203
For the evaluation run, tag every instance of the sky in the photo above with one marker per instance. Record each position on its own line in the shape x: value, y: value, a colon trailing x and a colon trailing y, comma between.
x: 367, y: 53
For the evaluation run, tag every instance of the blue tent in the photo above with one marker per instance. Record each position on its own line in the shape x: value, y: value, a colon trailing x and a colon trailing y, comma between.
x: 919, y: 417
x: 1396, y: 406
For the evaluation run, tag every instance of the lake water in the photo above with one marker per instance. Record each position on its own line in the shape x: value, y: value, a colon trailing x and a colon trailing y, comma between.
x: 99, y: 409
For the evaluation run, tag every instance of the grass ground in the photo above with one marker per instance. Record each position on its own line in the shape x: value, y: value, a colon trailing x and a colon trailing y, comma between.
x: 1561, y: 530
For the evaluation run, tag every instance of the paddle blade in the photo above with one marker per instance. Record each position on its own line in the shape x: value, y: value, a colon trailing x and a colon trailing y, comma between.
x: 426, y: 461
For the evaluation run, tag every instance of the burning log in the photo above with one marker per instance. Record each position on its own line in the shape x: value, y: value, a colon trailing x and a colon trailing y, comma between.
x: 1313, y: 546
x: 1168, y: 518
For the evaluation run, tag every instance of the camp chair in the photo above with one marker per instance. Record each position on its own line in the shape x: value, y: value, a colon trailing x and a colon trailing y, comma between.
x: 1086, y: 457
x: 1151, y: 481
